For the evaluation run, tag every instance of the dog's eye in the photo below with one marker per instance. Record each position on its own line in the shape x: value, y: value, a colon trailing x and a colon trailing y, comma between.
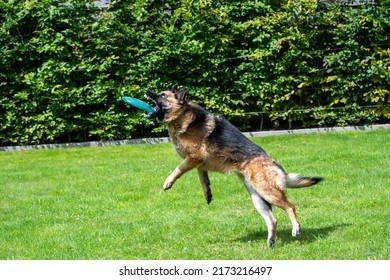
x: 162, y: 95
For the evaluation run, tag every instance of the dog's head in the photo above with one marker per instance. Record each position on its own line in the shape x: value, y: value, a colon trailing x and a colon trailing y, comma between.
x: 169, y: 104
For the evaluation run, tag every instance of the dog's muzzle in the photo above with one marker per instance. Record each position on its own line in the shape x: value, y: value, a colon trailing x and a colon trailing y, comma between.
x: 149, y: 94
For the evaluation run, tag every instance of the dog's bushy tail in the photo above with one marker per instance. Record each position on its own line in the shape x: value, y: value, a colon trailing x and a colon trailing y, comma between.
x: 294, y: 180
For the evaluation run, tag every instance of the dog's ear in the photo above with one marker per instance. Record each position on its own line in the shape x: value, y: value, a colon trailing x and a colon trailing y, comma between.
x: 181, y: 96
x: 174, y: 88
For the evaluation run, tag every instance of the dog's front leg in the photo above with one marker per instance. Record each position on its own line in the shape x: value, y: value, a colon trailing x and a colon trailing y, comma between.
x: 185, y: 166
x: 204, y: 179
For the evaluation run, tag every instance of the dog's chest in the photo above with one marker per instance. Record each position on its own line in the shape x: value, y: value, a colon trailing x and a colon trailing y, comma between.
x: 177, y: 145
x: 186, y: 145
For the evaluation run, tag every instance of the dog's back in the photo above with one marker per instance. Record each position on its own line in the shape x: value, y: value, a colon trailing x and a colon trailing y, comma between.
x: 212, y: 139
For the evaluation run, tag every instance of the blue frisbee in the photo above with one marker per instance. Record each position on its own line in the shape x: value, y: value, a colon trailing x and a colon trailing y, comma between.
x: 138, y: 103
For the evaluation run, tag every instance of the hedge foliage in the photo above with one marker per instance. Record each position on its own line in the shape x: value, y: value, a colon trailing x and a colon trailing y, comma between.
x: 262, y: 64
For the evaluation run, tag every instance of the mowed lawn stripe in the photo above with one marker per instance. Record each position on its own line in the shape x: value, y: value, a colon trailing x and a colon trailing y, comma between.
x: 108, y: 203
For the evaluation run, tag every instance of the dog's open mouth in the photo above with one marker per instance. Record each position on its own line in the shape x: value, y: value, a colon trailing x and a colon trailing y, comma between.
x: 158, y: 112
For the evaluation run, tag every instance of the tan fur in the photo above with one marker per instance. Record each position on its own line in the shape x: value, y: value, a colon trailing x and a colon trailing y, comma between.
x: 190, y: 135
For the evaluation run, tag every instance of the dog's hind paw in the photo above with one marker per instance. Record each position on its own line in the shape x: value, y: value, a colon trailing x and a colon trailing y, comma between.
x: 271, y: 243
x: 296, y: 231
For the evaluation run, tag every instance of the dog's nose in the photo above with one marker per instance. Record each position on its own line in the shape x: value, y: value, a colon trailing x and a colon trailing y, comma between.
x: 150, y: 93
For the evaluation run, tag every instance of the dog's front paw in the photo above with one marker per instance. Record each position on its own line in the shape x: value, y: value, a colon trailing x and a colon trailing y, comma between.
x: 167, y: 185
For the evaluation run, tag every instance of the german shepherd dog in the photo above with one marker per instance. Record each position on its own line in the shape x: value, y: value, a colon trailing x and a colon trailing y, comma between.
x: 208, y: 142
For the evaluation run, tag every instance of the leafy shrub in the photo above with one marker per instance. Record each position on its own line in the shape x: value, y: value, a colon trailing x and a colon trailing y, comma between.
x: 262, y: 64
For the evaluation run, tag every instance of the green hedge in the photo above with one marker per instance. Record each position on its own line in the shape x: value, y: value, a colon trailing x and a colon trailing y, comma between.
x: 265, y: 64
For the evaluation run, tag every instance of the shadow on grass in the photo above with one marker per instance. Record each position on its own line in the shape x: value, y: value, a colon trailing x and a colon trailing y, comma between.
x: 283, y: 236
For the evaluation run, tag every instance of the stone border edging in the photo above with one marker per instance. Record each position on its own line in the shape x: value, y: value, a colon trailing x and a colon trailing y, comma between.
x: 166, y: 139
x: 317, y: 130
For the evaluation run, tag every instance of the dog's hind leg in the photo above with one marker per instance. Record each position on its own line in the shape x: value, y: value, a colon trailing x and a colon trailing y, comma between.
x: 282, y: 202
x: 265, y: 210
x: 276, y: 196
x: 204, y: 179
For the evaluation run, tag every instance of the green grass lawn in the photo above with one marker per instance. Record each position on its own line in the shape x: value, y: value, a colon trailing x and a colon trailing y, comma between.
x: 108, y: 203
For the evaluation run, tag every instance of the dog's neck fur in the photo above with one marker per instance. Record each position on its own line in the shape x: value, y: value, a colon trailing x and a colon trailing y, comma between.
x: 178, y: 125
